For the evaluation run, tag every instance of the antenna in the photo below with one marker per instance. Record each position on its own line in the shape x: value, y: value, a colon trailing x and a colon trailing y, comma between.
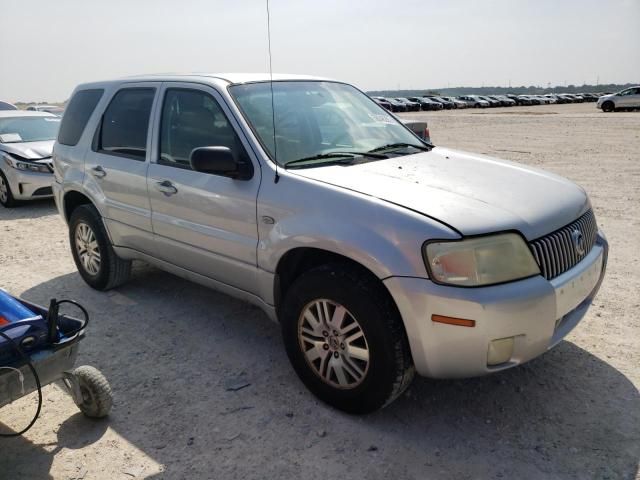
x: 276, y: 178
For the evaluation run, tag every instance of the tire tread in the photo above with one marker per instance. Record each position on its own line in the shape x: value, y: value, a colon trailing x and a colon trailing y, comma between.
x: 92, y: 379
x: 369, y: 286
x: 119, y: 270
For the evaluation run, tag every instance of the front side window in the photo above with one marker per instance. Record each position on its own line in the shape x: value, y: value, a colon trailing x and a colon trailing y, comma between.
x: 314, y: 118
x: 192, y: 119
x: 125, y: 123
x: 28, y: 129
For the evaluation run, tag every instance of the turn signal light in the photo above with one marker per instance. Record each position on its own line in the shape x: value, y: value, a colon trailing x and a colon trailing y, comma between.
x: 461, y: 322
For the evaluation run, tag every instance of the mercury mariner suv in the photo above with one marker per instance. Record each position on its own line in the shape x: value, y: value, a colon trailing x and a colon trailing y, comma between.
x: 379, y: 254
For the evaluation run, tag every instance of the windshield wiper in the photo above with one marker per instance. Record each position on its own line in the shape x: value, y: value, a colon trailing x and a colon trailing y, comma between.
x: 396, y: 146
x: 346, y: 156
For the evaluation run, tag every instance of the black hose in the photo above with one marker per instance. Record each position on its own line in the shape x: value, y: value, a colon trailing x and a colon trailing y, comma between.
x: 84, y: 312
x: 35, y: 376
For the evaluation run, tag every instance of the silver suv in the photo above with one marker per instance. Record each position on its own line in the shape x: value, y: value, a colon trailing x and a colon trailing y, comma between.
x: 626, y: 99
x: 378, y: 253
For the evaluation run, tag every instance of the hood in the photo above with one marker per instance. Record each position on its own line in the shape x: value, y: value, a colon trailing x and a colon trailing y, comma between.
x: 470, y: 193
x: 606, y: 97
x: 29, y: 150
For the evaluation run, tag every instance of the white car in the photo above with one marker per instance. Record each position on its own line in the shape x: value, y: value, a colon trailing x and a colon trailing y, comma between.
x: 626, y: 99
x: 26, y: 142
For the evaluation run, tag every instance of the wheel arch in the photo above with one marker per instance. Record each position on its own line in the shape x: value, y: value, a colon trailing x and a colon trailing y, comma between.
x: 299, y: 260
x: 72, y: 200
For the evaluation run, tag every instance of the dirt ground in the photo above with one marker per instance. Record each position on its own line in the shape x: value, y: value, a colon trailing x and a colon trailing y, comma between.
x: 171, y: 350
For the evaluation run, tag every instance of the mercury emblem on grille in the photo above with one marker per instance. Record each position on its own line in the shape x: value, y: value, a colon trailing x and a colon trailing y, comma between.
x: 578, y: 241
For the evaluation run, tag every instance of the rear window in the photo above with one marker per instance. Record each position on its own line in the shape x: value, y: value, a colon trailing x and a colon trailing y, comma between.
x: 77, y: 115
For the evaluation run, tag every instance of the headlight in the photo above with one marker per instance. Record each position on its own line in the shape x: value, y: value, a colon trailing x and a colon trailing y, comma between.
x: 28, y: 166
x: 480, y: 261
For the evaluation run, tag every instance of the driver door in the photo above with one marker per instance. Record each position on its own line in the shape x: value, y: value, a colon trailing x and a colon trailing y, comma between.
x: 202, y: 222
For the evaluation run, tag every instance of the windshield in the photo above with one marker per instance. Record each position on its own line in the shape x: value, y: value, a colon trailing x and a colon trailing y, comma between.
x: 317, y: 118
x: 28, y: 129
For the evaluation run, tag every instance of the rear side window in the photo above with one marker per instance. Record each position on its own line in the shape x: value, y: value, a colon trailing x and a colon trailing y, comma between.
x: 125, y: 123
x: 77, y: 115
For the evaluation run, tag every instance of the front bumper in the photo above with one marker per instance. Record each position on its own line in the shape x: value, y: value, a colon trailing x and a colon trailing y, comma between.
x: 535, y: 312
x: 27, y: 185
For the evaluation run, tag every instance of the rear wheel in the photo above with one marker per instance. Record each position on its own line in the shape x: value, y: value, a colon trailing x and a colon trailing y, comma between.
x: 92, y: 252
x: 345, y: 338
x: 6, y: 197
x: 608, y: 106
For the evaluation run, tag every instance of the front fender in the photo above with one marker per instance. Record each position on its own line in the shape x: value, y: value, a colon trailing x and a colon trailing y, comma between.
x: 366, y: 247
x: 383, y: 237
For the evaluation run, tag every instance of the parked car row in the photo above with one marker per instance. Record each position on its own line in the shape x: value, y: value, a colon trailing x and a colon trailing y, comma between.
x: 438, y: 102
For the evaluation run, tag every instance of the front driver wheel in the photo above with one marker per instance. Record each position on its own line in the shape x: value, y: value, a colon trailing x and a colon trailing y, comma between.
x: 345, y: 338
x: 6, y: 197
x: 92, y: 252
x: 608, y: 106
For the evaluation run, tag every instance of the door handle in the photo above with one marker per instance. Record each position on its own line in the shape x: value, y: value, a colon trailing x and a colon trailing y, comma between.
x: 166, y: 187
x: 98, y: 172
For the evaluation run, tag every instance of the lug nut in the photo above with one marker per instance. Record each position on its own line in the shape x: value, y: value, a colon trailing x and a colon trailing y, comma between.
x: 342, y: 346
x: 326, y: 346
x: 325, y: 333
x: 335, y: 334
x: 336, y: 354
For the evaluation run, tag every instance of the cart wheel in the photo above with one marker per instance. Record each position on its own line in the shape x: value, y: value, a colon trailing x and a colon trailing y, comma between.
x: 96, y: 392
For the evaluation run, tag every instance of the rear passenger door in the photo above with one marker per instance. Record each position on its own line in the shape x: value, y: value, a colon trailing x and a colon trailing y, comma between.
x: 628, y: 98
x: 634, y: 98
x: 116, y: 165
x: 203, y: 222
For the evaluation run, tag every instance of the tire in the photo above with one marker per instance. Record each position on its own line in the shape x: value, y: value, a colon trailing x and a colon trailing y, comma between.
x: 477, y: 105
x: 6, y: 196
x: 388, y: 369
x: 608, y: 106
x: 97, y: 397
x: 110, y: 270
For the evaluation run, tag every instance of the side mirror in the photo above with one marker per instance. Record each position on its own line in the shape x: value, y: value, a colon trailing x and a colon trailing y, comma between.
x: 219, y: 161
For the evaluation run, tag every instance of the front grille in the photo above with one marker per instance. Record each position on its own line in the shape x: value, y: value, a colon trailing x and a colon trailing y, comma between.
x: 561, y: 250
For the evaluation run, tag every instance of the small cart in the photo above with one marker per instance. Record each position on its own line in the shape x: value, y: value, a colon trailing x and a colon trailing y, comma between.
x: 86, y: 385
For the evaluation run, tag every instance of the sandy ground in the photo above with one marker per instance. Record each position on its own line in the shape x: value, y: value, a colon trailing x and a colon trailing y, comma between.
x: 171, y: 348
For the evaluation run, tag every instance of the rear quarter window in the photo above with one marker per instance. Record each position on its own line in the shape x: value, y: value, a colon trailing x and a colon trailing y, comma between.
x: 77, y: 115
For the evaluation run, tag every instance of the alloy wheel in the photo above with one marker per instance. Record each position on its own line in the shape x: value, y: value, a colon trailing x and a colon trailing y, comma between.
x: 333, y: 343
x: 87, y: 248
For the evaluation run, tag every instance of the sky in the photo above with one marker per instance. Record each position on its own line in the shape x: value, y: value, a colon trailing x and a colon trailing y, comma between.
x: 48, y: 47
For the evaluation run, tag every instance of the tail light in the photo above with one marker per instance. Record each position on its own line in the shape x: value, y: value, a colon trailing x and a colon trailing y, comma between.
x: 427, y: 135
